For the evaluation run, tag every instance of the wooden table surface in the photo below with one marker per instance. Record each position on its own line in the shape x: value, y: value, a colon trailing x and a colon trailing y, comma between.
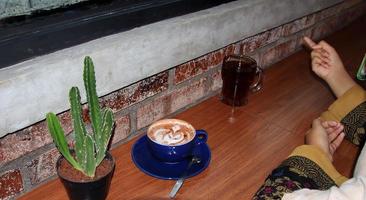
x: 266, y: 130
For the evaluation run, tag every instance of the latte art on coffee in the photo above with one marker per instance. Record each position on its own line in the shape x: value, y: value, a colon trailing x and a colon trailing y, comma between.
x: 171, y: 132
x: 171, y: 136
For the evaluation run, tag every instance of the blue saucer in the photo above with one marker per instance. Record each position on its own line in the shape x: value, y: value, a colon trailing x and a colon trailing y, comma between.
x: 147, y: 163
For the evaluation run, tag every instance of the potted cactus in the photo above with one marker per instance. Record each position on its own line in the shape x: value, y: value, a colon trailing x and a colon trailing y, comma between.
x: 85, y: 170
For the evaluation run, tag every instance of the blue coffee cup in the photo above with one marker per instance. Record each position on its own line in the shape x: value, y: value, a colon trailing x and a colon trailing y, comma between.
x: 178, y: 152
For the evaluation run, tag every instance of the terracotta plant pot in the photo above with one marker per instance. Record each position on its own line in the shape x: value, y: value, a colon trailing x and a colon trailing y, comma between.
x: 81, y: 187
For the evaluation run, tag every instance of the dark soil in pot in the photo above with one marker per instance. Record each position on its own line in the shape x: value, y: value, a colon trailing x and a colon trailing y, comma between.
x: 82, y: 187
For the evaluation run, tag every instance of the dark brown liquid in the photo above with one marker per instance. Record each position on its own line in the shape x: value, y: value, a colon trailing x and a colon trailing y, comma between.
x: 237, y: 78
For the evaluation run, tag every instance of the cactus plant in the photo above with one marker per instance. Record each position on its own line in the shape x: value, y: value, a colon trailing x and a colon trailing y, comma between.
x: 90, y: 148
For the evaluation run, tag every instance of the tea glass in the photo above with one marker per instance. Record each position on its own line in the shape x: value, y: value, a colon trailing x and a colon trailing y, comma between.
x: 240, y: 74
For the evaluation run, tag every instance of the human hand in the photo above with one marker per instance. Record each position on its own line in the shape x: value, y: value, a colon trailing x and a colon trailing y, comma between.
x: 327, y: 64
x: 326, y: 135
x: 325, y: 61
x: 335, y: 134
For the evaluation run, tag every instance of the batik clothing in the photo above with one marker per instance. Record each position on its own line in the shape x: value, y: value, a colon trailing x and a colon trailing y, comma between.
x: 309, y: 167
x: 350, y: 110
x: 352, y: 189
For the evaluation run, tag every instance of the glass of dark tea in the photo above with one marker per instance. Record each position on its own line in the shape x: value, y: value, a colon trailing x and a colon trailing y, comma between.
x: 240, y: 74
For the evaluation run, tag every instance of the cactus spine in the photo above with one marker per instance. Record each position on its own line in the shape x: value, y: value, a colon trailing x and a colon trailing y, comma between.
x: 90, y: 148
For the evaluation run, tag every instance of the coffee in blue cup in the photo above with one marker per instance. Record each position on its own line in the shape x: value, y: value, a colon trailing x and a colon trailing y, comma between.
x: 173, y: 140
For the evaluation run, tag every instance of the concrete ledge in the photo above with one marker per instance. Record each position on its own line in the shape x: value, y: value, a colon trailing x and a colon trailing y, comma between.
x: 30, y: 89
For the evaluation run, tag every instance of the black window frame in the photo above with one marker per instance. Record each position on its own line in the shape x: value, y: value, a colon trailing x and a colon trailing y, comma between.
x: 43, y: 32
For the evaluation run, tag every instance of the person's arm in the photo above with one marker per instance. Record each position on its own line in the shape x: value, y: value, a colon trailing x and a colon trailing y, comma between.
x: 353, y: 189
x: 350, y: 104
x: 349, y: 109
x: 308, y: 166
x: 327, y: 64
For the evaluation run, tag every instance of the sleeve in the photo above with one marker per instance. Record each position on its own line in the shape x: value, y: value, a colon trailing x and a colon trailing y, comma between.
x: 350, y: 110
x: 307, y: 167
x: 309, y: 171
x: 353, y: 189
x: 321, y: 163
x: 360, y: 168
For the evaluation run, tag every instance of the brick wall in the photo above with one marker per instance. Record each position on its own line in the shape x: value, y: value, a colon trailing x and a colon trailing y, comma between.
x: 28, y: 156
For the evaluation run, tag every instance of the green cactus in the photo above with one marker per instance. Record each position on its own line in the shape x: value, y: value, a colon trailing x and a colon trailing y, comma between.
x: 90, y: 148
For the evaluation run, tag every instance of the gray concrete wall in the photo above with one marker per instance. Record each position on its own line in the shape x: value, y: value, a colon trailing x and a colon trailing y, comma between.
x: 30, y: 89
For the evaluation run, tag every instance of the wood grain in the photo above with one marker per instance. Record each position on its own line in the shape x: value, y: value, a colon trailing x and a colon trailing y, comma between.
x: 266, y: 130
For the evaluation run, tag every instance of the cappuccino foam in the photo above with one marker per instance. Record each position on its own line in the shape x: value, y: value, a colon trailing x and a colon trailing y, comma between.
x: 171, y: 132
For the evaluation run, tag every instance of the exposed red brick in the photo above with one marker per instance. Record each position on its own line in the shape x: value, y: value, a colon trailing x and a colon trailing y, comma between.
x: 352, y: 3
x: 300, y: 36
x: 329, y: 12
x: 190, y: 69
x: 250, y: 44
x: 339, y: 16
x: 230, y: 49
x: 278, y: 52
x: 353, y: 13
x: 85, y: 113
x: 29, y: 139
x: 216, y: 57
x: 347, y: 16
x: 298, y: 25
x: 216, y: 81
x: 328, y: 26
x: 136, y: 92
x: 66, y: 121
x: 354, y: 8
x: 42, y: 167
x: 188, y: 94
x: 319, y: 31
x: 10, y: 184
x: 268, y: 57
x: 183, y: 71
x: 122, y: 129
x: 201, y: 65
x: 152, y: 111
x: 198, y: 66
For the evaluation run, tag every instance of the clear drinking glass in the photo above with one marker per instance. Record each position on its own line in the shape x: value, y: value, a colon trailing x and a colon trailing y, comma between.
x: 240, y: 74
